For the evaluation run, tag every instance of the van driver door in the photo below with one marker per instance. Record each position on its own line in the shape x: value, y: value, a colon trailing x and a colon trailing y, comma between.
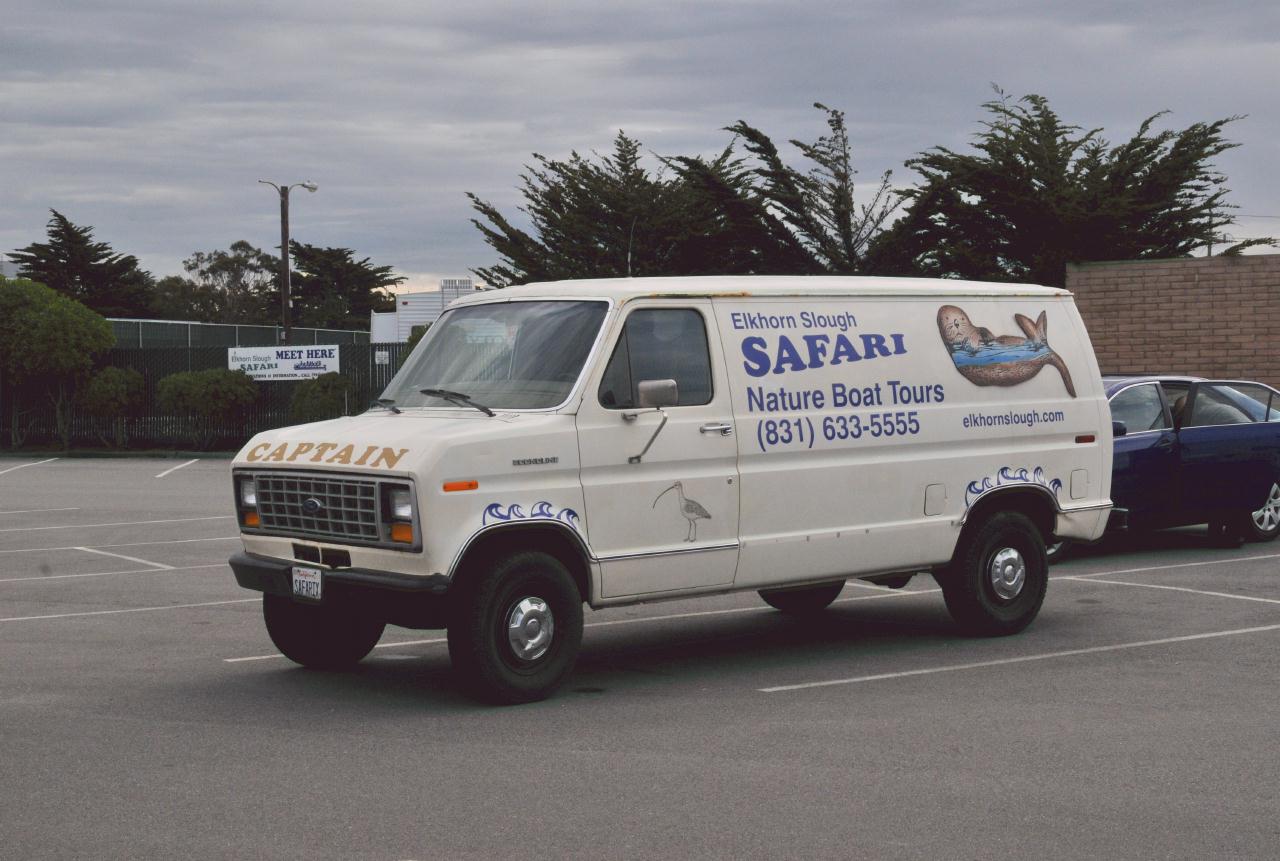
x: 670, y: 520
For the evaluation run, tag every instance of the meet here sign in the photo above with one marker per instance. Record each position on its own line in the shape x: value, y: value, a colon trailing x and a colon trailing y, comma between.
x: 300, y: 362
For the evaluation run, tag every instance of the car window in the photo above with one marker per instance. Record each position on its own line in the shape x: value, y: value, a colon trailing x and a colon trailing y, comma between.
x: 659, y: 344
x: 1257, y: 401
x: 1140, y: 408
x: 1216, y: 404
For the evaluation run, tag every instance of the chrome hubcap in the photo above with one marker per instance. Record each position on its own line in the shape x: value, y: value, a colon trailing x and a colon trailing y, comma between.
x: 530, y: 627
x: 1008, y: 573
x: 1267, y: 517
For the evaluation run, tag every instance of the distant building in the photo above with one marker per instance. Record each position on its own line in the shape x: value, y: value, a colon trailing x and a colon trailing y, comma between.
x: 416, y: 309
x: 7, y: 269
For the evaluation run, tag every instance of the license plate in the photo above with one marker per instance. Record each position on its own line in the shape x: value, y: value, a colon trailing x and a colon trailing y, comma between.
x: 307, y: 582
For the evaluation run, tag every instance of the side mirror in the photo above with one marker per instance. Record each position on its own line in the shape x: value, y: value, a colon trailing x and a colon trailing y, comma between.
x: 654, y: 394
x: 1119, y: 428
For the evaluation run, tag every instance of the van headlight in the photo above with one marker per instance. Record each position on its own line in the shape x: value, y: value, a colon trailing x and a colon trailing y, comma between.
x: 398, y: 512
x: 401, y: 503
x: 247, y: 502
x: 248, y: 493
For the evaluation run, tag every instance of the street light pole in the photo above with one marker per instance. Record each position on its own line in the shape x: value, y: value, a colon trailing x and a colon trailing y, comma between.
x: 285, y: 285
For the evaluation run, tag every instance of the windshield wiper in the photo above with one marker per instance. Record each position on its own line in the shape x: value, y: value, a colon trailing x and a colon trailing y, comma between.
x: 457, y: 398
x: 389, y: 403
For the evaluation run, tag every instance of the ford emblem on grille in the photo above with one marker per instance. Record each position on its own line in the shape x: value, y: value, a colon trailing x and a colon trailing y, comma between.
x: 311, y: 505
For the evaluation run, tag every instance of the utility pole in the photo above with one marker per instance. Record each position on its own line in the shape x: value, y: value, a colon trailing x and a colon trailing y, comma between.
x: 285, y: 268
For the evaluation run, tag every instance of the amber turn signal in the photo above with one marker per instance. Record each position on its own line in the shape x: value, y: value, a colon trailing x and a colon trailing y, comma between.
x: 402, y: 532
x: 451, y: 486
x: 251, y: 519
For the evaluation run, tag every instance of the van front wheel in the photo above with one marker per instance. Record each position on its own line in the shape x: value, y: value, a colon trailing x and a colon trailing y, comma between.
x: 802, y: 602
x: 516, y: 628
x: 997, y: 579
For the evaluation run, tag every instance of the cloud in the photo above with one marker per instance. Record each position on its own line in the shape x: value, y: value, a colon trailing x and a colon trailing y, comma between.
x: 153, y: 121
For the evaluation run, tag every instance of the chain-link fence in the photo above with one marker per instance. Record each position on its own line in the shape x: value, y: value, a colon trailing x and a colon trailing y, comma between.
x: 165, y: 333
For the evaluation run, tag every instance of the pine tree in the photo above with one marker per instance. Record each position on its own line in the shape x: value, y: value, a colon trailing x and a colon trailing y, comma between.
x: 87, y: 271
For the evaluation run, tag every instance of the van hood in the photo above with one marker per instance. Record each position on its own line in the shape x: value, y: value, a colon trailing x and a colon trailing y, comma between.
x: 377, y: 441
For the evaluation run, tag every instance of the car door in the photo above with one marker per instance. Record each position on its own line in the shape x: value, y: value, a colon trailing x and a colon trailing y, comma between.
x: 661, y: 487
x: 1228, y: 446
x: 1144, y: 473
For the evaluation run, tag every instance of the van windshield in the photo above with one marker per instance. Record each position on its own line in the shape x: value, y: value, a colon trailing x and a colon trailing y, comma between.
x: 504, y: 355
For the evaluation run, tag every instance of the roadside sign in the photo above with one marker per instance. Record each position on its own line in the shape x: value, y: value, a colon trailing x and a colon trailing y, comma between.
x: 302, y: 362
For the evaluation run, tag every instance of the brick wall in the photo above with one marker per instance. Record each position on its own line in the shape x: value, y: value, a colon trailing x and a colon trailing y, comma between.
x: 1204, y: 316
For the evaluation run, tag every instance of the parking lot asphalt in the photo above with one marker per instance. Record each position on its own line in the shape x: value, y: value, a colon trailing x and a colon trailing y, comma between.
x: 145, y: 714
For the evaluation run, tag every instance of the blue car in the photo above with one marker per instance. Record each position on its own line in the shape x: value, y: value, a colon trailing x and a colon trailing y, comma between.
x: 1190, y: 450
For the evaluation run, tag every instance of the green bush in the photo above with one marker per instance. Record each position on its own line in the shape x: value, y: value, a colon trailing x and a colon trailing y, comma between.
x: 415, y: 335
x: 116, y: 394
x: 47, y: 344
x: 326, y: 397
x: 206, y: 398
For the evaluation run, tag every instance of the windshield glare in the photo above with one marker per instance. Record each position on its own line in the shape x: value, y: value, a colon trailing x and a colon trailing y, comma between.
x: 504, y: 355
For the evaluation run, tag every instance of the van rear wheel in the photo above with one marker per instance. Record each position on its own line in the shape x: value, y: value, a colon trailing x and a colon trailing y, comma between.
x: 320, y: 636
x: 516, y: 628
x: 802, y: 602
x: 997, y: 580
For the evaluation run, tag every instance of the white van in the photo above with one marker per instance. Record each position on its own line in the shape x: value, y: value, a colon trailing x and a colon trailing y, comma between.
x: 619, y: 441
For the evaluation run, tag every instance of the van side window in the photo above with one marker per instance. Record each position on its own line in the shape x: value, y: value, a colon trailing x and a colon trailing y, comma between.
x: 1140, y: 408
x: 659, y: 344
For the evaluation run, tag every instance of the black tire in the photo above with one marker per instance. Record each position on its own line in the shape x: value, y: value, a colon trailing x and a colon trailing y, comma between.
x: 527, y: 585
x: 802, y: 602
x: 320, y: 636
x: 1263, y: 524
x: 982, y: 591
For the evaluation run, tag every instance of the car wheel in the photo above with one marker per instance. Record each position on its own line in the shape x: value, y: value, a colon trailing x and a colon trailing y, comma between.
x: 516, y: 628
x: 996, y: 582
x: 1263, y: 524
x: 802, y: 602
x: 319, y: 636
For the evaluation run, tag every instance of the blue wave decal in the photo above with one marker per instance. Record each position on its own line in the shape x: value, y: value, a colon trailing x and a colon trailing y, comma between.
x: 1007, y: 475
x: 496, y: 513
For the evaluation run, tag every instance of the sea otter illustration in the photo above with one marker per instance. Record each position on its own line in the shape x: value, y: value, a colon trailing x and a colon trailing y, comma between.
x: 999, y: 360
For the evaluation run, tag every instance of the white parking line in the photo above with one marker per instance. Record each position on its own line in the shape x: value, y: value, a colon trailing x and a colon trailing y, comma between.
x: 166, y: 569
x: 1093, y: 650
x: 122, y: 523
x: 1176, y: 589
x: 38, y: 510
x: 25, y: 465
x: 129, y: 544
x: 610, y: 622
x: 129, y: 610
x: 178, y: 467
x: 127, y: 558
x: 1227, y: 560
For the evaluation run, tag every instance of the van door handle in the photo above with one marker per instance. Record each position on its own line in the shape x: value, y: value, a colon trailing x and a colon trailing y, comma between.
x: 721, y: 428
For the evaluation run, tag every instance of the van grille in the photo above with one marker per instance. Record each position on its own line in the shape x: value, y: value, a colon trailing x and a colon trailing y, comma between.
x: 341, y: 509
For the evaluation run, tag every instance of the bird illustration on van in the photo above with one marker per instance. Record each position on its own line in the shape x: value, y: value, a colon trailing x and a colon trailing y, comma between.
x: 985, y: 359
x: 691, y: 509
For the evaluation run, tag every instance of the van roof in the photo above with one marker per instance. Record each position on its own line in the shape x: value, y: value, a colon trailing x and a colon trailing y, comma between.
x: 762, y: 285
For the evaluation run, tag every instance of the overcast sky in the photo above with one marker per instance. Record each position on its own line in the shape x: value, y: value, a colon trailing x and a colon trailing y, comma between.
x: 152, y: 121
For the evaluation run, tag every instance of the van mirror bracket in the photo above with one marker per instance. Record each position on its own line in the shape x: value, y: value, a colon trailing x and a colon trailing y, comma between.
x: 636, y: 458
